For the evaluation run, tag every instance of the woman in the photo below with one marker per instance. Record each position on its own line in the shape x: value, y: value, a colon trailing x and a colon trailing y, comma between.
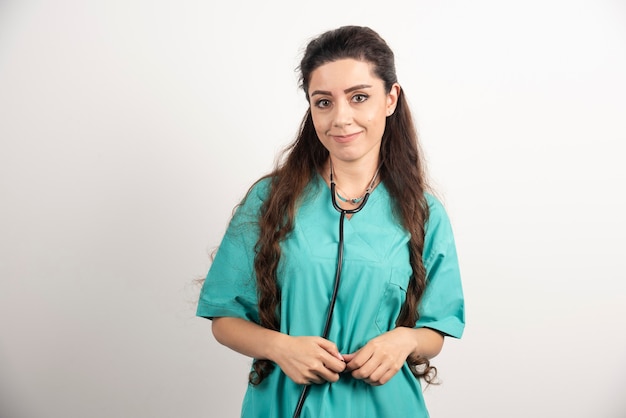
x: 338, y: 273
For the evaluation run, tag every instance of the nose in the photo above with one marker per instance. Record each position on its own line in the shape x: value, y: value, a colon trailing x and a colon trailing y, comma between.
x: 342, y: 115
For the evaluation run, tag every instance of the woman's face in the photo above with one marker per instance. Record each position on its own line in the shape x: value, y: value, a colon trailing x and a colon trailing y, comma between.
x: 349, y: 106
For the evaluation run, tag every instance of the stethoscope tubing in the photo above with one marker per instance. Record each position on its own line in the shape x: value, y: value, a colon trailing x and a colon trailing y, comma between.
x: 331, y: 307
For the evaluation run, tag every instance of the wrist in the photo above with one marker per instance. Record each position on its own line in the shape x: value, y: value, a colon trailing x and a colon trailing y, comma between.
x: 408, y: 340
x: 275, y: 345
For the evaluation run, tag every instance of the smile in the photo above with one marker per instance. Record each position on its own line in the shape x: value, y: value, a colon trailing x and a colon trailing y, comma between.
x: 345, y: 138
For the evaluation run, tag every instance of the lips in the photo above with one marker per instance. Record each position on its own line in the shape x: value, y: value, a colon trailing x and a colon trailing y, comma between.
x: 345, y: 138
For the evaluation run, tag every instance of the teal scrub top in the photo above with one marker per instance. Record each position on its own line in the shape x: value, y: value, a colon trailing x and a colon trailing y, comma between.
x: 374, y: 280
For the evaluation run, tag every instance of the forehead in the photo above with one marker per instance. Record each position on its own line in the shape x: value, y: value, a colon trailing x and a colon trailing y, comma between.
x: 343, y: 74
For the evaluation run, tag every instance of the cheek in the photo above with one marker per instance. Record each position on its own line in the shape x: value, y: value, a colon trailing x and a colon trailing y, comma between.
x: 375, y: 115
x: 318, y: 130
x: 375, y: 118
x: 318, y: 122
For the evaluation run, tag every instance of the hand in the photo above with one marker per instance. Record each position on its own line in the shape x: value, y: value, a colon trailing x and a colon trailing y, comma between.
x: 381, y: 358
x: 308, y: 360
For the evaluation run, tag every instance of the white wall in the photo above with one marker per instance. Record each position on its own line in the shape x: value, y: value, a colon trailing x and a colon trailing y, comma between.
x: 130, y: 128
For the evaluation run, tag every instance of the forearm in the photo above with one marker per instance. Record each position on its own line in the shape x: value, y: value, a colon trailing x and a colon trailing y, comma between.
x: 246, y: 337
x: 305, y: 360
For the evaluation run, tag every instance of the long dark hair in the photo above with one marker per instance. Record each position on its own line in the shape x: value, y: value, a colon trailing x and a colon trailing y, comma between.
x: 402, y: 171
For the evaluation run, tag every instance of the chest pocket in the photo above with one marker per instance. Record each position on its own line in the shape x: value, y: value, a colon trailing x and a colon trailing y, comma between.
x: 391, y: 301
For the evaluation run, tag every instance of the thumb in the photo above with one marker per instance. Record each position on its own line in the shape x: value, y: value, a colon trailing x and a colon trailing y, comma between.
x: 348, y: 357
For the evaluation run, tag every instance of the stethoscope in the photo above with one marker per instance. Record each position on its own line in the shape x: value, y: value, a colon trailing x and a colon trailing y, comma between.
x: 331, y: 306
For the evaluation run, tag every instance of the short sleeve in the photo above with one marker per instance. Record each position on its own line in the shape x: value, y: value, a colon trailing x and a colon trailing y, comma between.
x: 442, y: 306
x: 230, y: 286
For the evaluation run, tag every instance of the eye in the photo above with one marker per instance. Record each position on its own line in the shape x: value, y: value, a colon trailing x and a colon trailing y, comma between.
x: 360, y: 98
x: 322, y: 103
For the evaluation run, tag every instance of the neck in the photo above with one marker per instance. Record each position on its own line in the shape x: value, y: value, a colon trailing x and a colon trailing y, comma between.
x: 353, y: 178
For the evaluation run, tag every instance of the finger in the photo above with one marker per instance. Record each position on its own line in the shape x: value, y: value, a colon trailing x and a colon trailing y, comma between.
x: 348, y: 357
x: 333, y: 364
x: 383, y: 374
x: 326, y: 375
x: 360, y: 358
x: 320, y: 371
x: 387, y: 376
x: 316, y: 380
x: 365, y: 370
x: 308, y: 379
x: 377, y: 376
x: 331, y: 348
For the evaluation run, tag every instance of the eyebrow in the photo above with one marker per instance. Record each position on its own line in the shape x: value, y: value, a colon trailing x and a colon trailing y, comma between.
x: 348, y: 90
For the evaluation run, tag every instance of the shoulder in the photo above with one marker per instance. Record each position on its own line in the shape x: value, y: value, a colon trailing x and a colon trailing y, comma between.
x: 436, y: 210
x: 248, y: 209
x: 258, y: 192
x: 439, y: 242
x: 438, y: 227
x: 261, y: 190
